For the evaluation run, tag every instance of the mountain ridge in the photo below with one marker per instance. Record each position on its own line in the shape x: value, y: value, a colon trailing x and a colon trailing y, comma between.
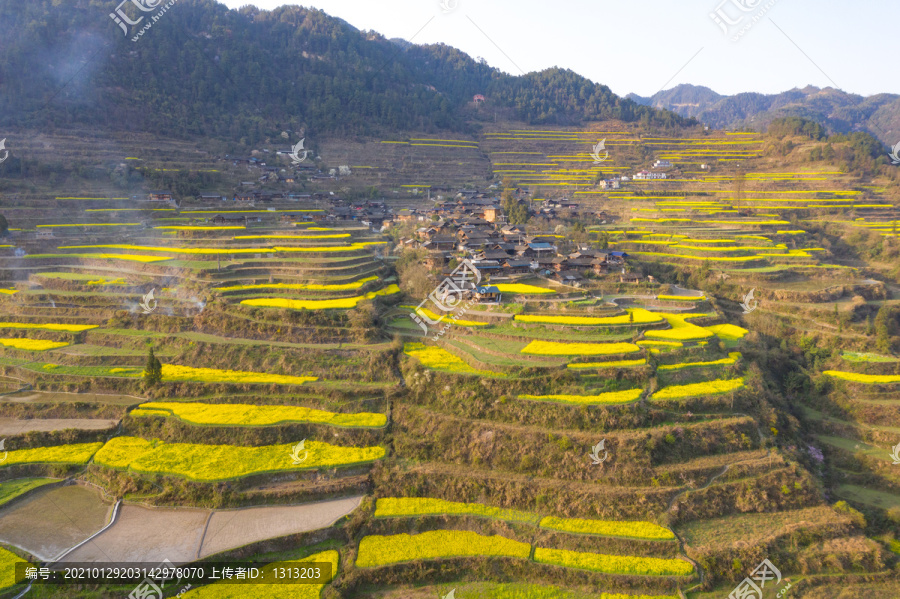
x: 837, y: 110
x: 249, y: 74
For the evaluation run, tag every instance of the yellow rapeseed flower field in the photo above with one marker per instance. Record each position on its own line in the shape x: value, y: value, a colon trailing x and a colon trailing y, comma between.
x: 201, y: 228
x: 614, y: 364
x: 648, y: 343
x: 226, y: 250
x: 324, y: 236
x: 378, y: 550
x: 682, y: 298
x: 517, y: 590
x: 459, y: 323
x: 727, y: 331
x: 73, y: 453
x: 71, y: 328
x: 609, y: 528
x: 129, y: 257
x: 174, y: 372
x: 32, y: 344
x: 699, y: 389
x: 681, y: 329
x: 614, y: 564
x: 8, y: 561
x: 207, y: 463
x: 612, y: 398
x: 301, y: 286
x: 440, y: 359
x: 522, y: 289
x: 9, y: 291
x: 638, y: 316
x: 253, y: 415
x: 867, y: 379
x: 731, y: 359
x: 554, y: 348
x: 326, y: 304
x: 392, y: 507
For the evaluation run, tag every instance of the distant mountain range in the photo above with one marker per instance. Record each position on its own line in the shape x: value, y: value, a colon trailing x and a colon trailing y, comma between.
x: 840, y: 112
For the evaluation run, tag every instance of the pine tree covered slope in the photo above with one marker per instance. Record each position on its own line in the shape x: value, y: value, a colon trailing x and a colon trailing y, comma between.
x: 205, y: 70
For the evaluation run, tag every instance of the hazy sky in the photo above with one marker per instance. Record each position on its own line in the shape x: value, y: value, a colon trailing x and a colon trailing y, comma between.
x: 643, y: 46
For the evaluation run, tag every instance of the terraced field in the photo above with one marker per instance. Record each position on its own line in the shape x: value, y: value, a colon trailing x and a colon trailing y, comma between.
x: 613, y: 439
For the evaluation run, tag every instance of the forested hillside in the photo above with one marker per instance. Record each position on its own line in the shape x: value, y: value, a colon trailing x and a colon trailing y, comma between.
x: 250, y: 74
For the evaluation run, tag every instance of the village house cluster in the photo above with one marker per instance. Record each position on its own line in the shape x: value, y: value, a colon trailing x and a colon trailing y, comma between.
x: 473, y: 226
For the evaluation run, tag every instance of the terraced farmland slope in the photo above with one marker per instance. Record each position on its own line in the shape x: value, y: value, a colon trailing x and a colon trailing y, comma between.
x: 626, y: 434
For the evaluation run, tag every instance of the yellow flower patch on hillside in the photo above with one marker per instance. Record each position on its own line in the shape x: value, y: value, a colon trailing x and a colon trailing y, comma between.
x: 325, y: 236
x: 8, y: 561
x: 378, y: 550
x: 611, y: 398
x: 699, y: 389
x: 682, y: 298
x: 522, y: 289
x: 614, y: 564
x: 209, y: 463
x: 867, y: 379
x: 301, y: 286
x: 227, y: 250
x: 647, y: 343
x: 392, y: 507
x: 326, y: 304
x: 681, y: 329
x: 425, y: 312
x: 440, y: 359
x: 173, y: 372
x: 253, y: 415
x: 73, y: 453
x: 47, y: 326
x: 727, y: 331
x: 609, y: 528
x: 32, y: 344
x: 636, y: 316
x: 613, y: 364
x: 731, y: 359
x: 553, y: 348
x: 201, y: 228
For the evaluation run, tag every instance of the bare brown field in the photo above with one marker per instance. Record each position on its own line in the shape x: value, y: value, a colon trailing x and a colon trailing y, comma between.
x: 14, y: 426
x: 49, y: 522
x: 62, y: 397
x: 150, y: 535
